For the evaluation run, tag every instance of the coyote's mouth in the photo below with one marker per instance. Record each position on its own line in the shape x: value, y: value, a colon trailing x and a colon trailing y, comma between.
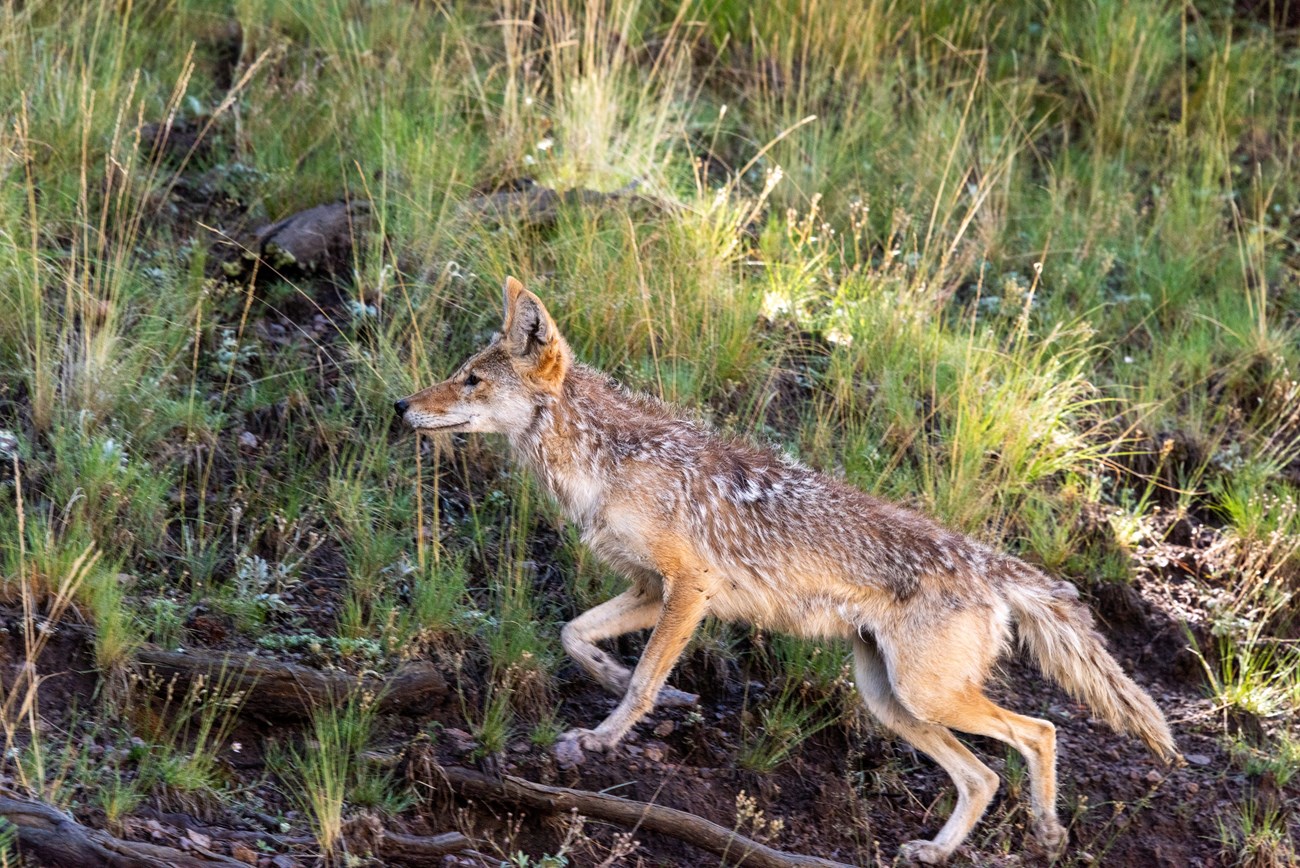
x: 442, y: 427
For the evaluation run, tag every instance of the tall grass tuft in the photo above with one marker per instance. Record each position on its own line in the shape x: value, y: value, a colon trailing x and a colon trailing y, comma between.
x: 322, y: 772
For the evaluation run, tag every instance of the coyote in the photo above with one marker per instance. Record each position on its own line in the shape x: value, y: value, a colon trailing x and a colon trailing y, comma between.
x: 704, y: 524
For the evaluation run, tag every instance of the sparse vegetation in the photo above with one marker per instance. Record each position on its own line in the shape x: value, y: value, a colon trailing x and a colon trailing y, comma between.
x: 328, y: 772
x: 1033, y: 267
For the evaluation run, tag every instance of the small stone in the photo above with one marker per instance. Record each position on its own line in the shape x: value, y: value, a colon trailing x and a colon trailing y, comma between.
x: 199, y: 838
x: 1193, y: 788
x: 460, y: 739
x: 1197, y: 759
x: 248, y: 440
x: 654, y: 753
x: 240, y: 853
x: 567, y: 753
x: 1154, y: 777
x: 664, y: 729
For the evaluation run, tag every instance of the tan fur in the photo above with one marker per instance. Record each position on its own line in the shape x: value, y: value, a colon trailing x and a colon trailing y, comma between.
x: 705, y: 525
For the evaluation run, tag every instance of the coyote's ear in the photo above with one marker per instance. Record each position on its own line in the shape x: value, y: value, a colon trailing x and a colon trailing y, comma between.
x: 531, y: 335
x: 527, y: 327
x: 510, y: 293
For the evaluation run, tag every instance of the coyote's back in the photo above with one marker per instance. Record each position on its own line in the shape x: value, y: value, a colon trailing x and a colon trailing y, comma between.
x: 703, y: 524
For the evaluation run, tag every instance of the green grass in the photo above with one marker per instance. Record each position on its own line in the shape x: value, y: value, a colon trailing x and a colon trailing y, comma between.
x: 177, y: 754
x: 983, y: 258
x: 782, y: 726
x: 1258, y: 838
x: 323, y: 774
x: 815, y: 692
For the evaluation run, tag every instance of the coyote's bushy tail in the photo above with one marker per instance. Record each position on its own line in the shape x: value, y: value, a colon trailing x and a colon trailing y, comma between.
x: 1058, y: 631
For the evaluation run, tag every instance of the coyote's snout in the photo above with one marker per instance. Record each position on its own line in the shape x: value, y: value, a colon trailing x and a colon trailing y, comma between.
x: 702, y: 524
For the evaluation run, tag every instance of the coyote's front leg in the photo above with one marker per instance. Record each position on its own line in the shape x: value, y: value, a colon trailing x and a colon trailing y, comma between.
x: 635, y: 609
x: 685, y: 604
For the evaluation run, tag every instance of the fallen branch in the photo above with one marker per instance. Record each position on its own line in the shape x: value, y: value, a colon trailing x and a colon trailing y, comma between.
x: 399, y: 849
x: 396, y: 848
x: 288, y: 690
x: 52, y: 838
x: 694, y: 830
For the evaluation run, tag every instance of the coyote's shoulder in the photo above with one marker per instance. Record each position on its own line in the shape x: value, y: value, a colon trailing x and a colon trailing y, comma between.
x: 706, y: 525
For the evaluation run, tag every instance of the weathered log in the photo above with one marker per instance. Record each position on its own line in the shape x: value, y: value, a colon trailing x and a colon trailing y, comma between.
x: 288, y: 690
x: 695, y: 830
x: 534, y: 205
x: 52, y: 838
x: 310, y: 238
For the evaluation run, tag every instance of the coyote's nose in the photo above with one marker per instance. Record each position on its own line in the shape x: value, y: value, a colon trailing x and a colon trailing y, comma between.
x: 401, y: 406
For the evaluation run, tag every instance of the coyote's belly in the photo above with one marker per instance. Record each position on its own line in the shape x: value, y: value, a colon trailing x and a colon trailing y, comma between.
x: 789, y: 601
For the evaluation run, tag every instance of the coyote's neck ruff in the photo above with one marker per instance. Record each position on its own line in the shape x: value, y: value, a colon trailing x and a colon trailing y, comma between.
x: 705, y: 525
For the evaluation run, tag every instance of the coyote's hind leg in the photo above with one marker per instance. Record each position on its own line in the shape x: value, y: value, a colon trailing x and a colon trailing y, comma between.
x: 971, y: 711
x: 976, y: 783
x: 951, y: 695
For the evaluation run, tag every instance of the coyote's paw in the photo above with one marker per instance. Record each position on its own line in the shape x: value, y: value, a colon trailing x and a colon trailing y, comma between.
x: 570, y: 746
x: 1052, y: 837
x: 567, y: 753
x: 922, y: 852
x: 671, y: 697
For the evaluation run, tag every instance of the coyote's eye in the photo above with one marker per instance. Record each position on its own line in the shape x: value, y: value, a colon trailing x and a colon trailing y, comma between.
x: 471, y: 380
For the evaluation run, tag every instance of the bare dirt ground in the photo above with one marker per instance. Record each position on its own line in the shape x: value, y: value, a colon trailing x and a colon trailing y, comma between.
x: 851, y: 793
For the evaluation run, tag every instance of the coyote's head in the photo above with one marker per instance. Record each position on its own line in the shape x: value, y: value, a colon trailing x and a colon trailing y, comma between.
x: 501, y: 387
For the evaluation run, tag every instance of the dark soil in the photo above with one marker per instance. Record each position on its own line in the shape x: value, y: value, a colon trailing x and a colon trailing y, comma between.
x: 851, y: 793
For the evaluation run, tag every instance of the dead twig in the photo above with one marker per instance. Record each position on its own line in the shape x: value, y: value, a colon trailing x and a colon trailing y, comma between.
x: 690, y: 828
